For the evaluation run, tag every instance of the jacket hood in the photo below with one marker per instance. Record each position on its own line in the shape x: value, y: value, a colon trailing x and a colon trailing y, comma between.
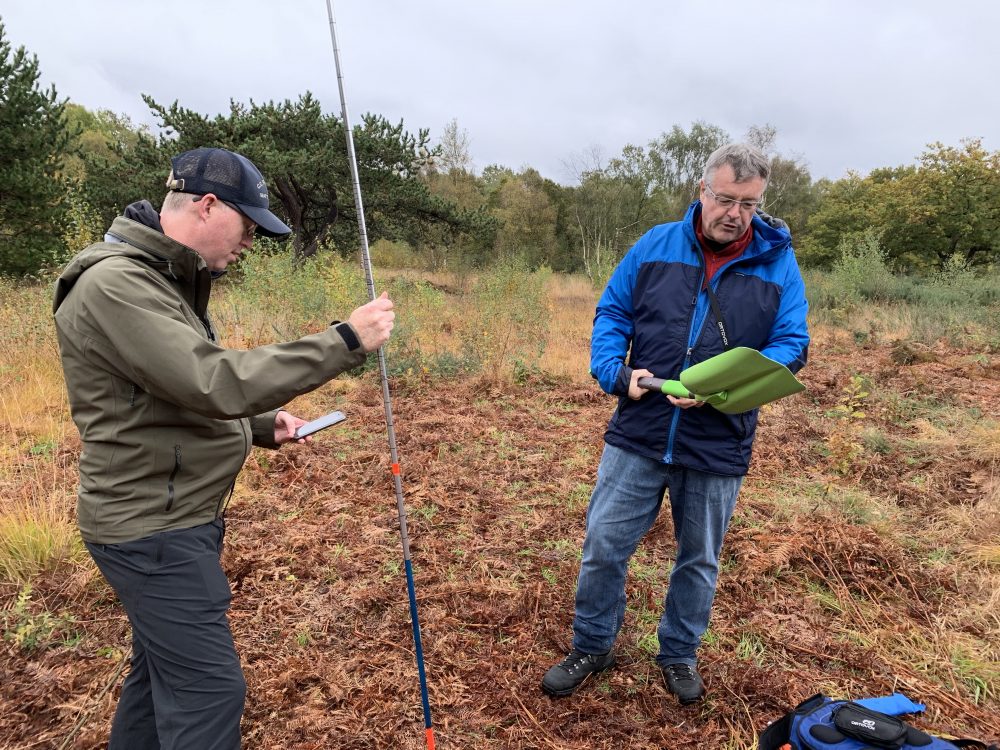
x: 138, y: 235
x: 143, y: 213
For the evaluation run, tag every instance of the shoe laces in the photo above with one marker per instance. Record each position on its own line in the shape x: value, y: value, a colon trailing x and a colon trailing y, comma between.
x: 574, y: 661
x: 681, y: 672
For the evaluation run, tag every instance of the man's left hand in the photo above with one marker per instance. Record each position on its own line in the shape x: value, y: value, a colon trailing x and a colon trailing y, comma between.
x: 285, y: 425
x: 684, y: 403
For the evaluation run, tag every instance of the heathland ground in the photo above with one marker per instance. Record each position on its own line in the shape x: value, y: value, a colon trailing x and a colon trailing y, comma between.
x: 863, y: 558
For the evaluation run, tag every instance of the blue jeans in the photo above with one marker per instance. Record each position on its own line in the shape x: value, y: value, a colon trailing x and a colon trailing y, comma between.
x: 625, y: 502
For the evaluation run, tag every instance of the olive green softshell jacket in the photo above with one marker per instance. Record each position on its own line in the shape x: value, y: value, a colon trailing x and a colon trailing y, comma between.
x: 166, y: 415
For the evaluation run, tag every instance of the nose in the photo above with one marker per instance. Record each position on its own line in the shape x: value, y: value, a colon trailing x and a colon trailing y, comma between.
x: 734, y: 211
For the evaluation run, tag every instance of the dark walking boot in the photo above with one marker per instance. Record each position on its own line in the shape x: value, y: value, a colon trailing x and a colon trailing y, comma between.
x: 684, y: 681
x: 571, y: 672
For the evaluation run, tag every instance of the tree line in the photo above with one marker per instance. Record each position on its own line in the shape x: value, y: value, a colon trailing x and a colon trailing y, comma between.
x: 65, y: 172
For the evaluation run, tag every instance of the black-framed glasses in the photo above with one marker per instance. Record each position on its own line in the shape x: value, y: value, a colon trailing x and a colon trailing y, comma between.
x: 726, y: 202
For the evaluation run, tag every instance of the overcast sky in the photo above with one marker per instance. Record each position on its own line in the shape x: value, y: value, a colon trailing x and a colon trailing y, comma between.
x: 849, y: 84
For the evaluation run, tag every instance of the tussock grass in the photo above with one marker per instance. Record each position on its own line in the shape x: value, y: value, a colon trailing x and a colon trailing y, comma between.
x: 984, y: 443
x: 989, y: 555
x: 950, y: 655
x: 38, y: 537
x: 33, y: 401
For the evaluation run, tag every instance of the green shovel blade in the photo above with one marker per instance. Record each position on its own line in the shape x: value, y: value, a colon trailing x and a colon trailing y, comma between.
x: 735, y: 381
x: 748, y: 378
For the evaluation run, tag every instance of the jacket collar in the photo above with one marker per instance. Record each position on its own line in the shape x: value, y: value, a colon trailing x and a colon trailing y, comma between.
x: 141, y: 238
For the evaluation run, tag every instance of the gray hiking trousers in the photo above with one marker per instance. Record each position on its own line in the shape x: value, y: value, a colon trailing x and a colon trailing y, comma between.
x: 185, y: 690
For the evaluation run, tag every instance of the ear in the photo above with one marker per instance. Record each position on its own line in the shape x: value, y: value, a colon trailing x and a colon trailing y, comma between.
x: 206, y: 206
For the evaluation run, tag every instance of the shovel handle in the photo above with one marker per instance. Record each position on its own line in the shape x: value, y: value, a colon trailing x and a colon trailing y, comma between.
x: 650, y: 384
x: 670, y: 387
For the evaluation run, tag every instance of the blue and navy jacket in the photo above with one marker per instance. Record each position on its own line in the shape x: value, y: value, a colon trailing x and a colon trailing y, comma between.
x: 656, y: 312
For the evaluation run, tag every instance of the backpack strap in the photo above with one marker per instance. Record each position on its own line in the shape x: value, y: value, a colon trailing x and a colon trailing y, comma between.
x: 776, y: 733
x: 779, y: 732
x: 714, y: 302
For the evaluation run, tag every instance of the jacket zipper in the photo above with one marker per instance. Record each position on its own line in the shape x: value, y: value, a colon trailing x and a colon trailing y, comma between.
x: 668, y: 458
x: 672, y: 433
x: 170, y: 480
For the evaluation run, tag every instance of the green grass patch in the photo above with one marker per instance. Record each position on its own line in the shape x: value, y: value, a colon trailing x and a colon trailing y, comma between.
x: 750, y: 647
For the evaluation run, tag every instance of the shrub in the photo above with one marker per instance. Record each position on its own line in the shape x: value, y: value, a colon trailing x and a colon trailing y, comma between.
x: 83, y: 225
x: 507, y: 317
x: 30, y: 630
x: 422, y: 341
x: 389, y: 254
x: 861, y: 273
x: 274, y: 296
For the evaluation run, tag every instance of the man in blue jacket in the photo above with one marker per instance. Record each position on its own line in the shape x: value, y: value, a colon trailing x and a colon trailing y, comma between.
x: 724, y: 276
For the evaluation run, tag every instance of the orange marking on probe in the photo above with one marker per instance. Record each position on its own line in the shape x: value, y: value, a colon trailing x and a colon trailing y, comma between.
x: 395, y: 469
x: 430, y: 739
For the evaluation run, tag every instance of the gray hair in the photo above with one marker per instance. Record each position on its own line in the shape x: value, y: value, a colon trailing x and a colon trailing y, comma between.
x: 175, y: 201
x: 747, y: 162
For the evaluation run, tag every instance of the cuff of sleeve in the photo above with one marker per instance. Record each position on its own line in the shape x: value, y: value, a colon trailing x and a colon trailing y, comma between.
x: 347, y: 333
x: 623, y: 381
x: 262, y: 429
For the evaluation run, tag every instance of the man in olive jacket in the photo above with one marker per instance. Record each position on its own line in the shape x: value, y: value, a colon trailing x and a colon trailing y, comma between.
x: 167, y: 417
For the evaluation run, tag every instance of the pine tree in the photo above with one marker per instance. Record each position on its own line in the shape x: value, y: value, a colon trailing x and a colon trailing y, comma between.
x: 33, y: 142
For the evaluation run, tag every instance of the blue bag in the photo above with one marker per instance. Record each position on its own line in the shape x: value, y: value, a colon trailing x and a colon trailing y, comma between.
x: 821, y: 723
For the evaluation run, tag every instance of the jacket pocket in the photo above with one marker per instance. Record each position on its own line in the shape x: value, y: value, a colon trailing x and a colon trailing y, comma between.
x: 170, y: 479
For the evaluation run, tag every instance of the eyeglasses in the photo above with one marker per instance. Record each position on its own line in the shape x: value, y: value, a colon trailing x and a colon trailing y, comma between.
x: 725, y: 202
x: 249, y: 227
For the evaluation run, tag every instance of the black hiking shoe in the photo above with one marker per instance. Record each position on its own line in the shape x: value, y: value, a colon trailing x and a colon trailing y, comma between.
x: 570, y: 673
x: 684, y: 681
